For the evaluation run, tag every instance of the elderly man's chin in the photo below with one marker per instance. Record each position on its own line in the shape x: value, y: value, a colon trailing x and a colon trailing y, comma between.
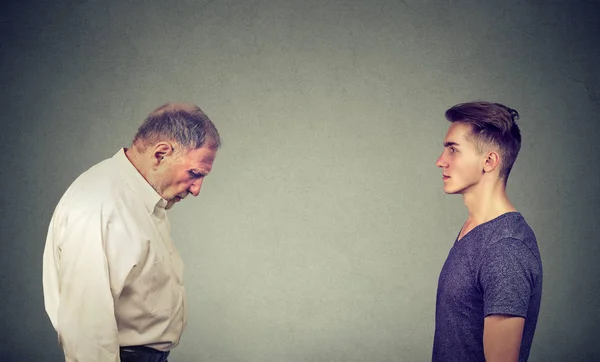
x: 173, y: 201
x: 170, y: 204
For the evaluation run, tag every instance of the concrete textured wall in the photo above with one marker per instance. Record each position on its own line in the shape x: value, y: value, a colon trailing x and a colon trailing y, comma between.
x: 321, y: 231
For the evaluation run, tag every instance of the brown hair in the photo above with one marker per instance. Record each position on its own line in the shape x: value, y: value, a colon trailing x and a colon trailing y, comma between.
x: 491, y: 124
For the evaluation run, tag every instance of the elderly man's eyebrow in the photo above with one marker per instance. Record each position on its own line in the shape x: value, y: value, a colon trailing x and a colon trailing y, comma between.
x: 197, y: 173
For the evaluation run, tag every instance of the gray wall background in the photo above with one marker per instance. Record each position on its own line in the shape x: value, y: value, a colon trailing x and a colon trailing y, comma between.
x: 321, y: 231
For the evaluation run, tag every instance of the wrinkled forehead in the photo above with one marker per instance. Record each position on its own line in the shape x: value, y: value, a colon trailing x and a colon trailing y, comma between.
x: 202, y: 157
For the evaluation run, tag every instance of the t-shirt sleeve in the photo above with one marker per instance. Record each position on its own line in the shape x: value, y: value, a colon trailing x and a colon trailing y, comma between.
x: 507, y: 278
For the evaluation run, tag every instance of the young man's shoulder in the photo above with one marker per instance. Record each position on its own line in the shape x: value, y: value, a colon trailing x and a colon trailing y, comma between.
x: 511, y: 226
x: 508, y: 238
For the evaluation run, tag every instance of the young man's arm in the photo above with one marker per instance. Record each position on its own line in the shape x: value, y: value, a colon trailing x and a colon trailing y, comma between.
x: 502, y: 336
x: 506, y: 278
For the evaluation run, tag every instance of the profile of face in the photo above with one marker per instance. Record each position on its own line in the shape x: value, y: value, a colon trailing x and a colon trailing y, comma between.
x: 178, y: 175
x: 461, y: 163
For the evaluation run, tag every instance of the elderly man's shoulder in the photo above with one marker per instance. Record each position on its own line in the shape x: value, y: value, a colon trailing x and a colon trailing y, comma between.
x: 102, y: 185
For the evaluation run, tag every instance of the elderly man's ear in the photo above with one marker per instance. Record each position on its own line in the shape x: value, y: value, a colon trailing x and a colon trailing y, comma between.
x: 160, y: 151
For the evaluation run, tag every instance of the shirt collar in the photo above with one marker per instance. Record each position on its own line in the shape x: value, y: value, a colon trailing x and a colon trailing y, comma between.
x: 138, y: 183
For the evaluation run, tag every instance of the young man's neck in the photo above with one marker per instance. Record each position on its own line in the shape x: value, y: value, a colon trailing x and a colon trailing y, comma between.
x: 487, y: 201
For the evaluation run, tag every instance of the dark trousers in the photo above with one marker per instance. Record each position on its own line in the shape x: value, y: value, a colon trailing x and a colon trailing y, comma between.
x: 142, y: 354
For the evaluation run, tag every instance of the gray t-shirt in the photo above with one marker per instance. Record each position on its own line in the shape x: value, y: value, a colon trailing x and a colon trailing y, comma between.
x: 495, y: 269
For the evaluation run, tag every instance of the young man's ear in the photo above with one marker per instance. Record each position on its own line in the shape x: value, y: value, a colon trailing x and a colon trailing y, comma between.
x: 160, y: 151
x: 492, y: 160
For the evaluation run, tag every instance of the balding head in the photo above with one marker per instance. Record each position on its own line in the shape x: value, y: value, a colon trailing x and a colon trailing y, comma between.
x: 182, y: 123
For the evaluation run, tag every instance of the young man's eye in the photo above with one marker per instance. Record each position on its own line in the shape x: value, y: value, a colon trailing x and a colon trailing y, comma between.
x: 452, y: 150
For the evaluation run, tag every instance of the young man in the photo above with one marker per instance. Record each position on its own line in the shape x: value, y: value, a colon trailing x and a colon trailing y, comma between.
x: 490, y: 286
x: 112, y: 277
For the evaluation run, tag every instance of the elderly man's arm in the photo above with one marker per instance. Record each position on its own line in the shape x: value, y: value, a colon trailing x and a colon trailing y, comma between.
x: 87, y: 327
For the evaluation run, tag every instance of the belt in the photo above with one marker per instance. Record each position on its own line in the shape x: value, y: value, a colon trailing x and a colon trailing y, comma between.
x: 142, y: 353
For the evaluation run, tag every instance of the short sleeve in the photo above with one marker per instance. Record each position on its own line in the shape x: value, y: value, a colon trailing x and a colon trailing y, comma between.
x: 506, y: 277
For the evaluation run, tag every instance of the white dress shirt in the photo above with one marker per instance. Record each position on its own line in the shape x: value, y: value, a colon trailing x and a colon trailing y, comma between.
x: 111, y: 274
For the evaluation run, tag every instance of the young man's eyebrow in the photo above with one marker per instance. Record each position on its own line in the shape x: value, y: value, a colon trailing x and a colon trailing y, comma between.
x: 449, y: 143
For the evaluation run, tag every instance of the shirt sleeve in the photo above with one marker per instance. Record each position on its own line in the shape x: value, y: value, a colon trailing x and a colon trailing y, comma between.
x: 87, y: 327
x: 506, y: 278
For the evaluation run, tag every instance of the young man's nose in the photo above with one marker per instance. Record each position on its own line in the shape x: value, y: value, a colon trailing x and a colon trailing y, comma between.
x: 441, y: 162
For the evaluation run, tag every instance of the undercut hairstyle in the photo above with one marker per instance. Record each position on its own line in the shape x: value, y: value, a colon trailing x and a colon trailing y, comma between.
x: 184, y: 124
x: 492, y: 124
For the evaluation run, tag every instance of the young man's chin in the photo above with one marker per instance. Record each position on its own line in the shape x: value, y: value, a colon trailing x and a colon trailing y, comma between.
x: 452, y: 191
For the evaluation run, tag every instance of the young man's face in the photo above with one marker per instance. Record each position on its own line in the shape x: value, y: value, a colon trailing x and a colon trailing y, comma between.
x: 461, y: 163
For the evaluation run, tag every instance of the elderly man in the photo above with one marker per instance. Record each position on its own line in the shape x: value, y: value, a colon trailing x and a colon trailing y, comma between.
x: 112, y: 277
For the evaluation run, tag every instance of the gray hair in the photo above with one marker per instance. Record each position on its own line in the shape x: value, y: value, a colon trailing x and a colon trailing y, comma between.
x: 183, y: 123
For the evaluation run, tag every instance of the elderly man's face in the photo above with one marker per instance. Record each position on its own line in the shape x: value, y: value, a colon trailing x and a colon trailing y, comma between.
x: 183, y: 174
